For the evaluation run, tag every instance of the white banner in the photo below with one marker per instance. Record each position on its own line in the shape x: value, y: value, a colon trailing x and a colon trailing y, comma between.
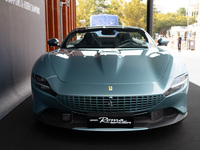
x: 26, y: 5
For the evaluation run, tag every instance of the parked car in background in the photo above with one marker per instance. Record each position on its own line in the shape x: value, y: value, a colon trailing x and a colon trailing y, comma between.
x: 112, y: 78
x: 163, y: 41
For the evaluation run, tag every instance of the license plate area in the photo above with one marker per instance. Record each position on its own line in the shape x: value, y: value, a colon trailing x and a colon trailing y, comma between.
x: 110, y: 120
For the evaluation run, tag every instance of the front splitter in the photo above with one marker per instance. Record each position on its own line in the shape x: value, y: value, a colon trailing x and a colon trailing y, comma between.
x: 110, y: 129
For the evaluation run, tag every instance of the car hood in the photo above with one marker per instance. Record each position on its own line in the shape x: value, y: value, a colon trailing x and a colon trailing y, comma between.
x: 109, y: 66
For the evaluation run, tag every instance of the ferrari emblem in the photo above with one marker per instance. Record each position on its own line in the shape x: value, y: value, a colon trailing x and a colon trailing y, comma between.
x: 110, y: 88
x: 110, y: 104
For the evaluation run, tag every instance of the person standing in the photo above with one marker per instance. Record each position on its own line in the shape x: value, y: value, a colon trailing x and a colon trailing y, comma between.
x: 179, y: 43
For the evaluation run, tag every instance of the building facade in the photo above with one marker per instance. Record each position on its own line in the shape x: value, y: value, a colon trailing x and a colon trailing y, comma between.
x: 193, y: 8
x: 190, y: 34
x: 52, y: 19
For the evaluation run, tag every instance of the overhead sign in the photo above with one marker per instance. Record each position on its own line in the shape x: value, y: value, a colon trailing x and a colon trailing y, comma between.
x: 104, y: 20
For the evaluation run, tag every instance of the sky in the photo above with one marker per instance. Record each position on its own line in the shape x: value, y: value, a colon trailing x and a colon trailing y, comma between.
x: 166, y: 6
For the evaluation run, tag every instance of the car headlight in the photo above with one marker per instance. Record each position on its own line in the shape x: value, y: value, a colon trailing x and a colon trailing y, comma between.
x: 177, y: 84
x: 42, y: 84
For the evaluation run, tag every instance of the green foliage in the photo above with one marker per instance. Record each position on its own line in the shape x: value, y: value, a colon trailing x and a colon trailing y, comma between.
x: 181, y: 11
x: 135, y: 14
x: 116, y: 7
x: 131, y: 13
x: 100, y: 7
x: 86, y: 8
x: 163, y: 22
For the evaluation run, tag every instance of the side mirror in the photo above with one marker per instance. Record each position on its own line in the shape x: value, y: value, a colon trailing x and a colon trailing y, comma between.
x: 53, y: 42
x: 160, y: 42
x: 163, y: 42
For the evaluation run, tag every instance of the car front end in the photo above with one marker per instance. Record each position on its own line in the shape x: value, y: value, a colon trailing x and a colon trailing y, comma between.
x: 109, y: 89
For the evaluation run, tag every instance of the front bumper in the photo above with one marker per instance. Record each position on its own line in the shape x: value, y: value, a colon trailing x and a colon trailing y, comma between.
x: 48, y: 109
x: 151, y: 120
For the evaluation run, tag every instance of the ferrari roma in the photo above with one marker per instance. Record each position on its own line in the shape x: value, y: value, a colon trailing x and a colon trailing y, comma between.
x: 109, y: 78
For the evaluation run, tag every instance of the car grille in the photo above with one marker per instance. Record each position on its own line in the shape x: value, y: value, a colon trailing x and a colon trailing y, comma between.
x: 83, y: 104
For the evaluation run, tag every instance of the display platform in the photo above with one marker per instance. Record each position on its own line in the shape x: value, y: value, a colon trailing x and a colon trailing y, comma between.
x: 20, y: 131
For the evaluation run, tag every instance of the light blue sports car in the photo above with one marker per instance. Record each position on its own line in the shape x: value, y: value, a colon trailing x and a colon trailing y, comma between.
x: 109, y: 78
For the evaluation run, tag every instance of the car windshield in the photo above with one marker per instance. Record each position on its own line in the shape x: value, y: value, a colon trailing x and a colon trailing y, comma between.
x: 107, y: 38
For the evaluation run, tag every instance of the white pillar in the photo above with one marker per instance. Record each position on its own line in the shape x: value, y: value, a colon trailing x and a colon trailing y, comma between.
x: 197, y: 43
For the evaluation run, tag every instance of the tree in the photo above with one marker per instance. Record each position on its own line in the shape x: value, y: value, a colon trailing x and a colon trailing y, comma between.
x: 86, y: 8
x: 135, y: 14
x: 163, y: 22
x: 181, y: 12
x: 131, y: 13
x: 116, y: 8
x: 100, y: 7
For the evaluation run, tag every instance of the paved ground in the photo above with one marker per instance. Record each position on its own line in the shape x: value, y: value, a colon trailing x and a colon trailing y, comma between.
x: 192, y: 61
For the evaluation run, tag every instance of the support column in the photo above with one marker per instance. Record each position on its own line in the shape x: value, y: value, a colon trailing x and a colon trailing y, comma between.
x: 150, y: 17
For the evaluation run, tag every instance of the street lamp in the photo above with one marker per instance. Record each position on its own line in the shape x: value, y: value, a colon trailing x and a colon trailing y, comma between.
x: 61, y: 24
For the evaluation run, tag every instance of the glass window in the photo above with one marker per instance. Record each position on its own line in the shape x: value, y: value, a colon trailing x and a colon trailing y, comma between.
x: 108, y: 38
